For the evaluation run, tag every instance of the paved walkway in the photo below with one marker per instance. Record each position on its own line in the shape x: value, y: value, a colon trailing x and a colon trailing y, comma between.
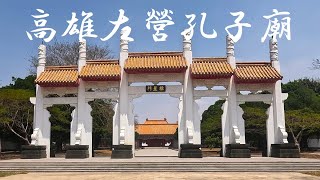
x: 156, y: 152
x: 159, y: 176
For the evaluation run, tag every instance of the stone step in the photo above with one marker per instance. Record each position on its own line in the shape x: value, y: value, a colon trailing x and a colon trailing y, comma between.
x: 160, y: 167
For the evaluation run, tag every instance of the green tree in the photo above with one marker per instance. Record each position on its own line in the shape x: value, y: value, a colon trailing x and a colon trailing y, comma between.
x: 211, y: 131
x: 16, y: 112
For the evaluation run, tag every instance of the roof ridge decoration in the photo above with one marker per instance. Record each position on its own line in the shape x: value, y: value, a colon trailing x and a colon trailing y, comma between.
x: 209, y: 59
x: 254, y: 63
x: 67, y: 67
x: 159, y: 53
x: 103, y: 61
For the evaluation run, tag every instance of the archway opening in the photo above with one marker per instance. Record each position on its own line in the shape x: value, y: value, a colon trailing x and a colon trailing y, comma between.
x: 255, y: 118
x: 211, y: 130
x: 156, y: 119
x: 102, y: 125
x: 60, y: 119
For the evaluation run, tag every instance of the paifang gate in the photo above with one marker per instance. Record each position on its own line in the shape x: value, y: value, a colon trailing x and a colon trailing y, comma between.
x: 114, y: 80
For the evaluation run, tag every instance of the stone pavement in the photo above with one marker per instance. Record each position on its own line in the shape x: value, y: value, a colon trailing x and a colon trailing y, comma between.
x: 159, y: 176
x: 156, y: 152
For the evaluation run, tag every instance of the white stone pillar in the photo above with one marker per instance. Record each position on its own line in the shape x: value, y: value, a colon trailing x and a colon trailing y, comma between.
x: 84, y: 123
x: 232, y: 122
x: 45, y: 130
x: 270, y: 129
x: 241, y: 123
x: 225, y: 126
x: 38, y: 120
x: 126, y: 135
x: 86, y: 134
x: 192, y: 129
x: 230, y: 52
x: 74, y: 125
x: 278, y: 106
x: 116, y: 124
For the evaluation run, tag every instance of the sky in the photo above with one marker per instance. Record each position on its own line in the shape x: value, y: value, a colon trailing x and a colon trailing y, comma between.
x: 295, y: 55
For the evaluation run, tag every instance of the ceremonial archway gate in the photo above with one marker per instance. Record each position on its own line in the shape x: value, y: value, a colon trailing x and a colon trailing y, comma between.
x: 113, y: 79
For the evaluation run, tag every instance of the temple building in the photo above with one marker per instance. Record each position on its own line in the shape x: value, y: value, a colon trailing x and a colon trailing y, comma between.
x: 157, y: 133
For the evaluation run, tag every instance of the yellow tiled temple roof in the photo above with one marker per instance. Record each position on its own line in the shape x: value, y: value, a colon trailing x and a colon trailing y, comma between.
x: 255, y: 72
x: 58, y: 76
x: 159, y: 62
x: 204, y: 68
x: 101, y: 70
x: 156, y: 127
x: 155, y: 62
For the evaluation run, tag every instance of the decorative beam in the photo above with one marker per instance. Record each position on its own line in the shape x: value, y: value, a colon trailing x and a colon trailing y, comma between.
x: 210, y: 93
x: 254, y: 98
x: 170, y: 89
x: 165, y: 77
x: 60, y: 100
x: 101, y: 95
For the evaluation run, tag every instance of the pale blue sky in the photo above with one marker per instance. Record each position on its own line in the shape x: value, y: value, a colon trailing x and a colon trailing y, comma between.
x: 295, y: 55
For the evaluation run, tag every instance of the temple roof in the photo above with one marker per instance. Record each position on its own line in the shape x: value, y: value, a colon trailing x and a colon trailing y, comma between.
x: 211, y: 68
x: 58, y: 76
x: 156, y: 127
x: 101, y: 71
x: 256, y: 72
x: 159, y: 62
x: 156, y: 62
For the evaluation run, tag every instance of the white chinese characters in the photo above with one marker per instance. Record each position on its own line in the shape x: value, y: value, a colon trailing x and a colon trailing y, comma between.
x: 45, y: 33
x: 279, y: 25
x: 159, y: 20
x: 276, y: 28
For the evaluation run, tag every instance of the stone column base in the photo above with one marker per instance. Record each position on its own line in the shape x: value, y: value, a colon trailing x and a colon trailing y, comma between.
x: 238, y: 151
x: 77, y: 151
x: 190, y: 151
x: 121, y: 152
x: 33, y: 152
x: 288, y: 150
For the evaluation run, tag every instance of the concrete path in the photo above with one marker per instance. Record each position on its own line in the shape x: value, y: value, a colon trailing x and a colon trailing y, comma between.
x: 156, y: 152
x: 160, y: 176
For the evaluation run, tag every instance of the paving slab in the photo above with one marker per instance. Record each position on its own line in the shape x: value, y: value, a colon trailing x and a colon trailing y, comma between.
x: 156, y: 152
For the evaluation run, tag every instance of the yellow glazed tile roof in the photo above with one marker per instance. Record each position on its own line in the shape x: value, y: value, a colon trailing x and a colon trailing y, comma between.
x: 157, y: 62
x: 101, y: 70
x: 211, y: 68
x: 58, y: 76
x: 156, y: 127
x: 256, y: 72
